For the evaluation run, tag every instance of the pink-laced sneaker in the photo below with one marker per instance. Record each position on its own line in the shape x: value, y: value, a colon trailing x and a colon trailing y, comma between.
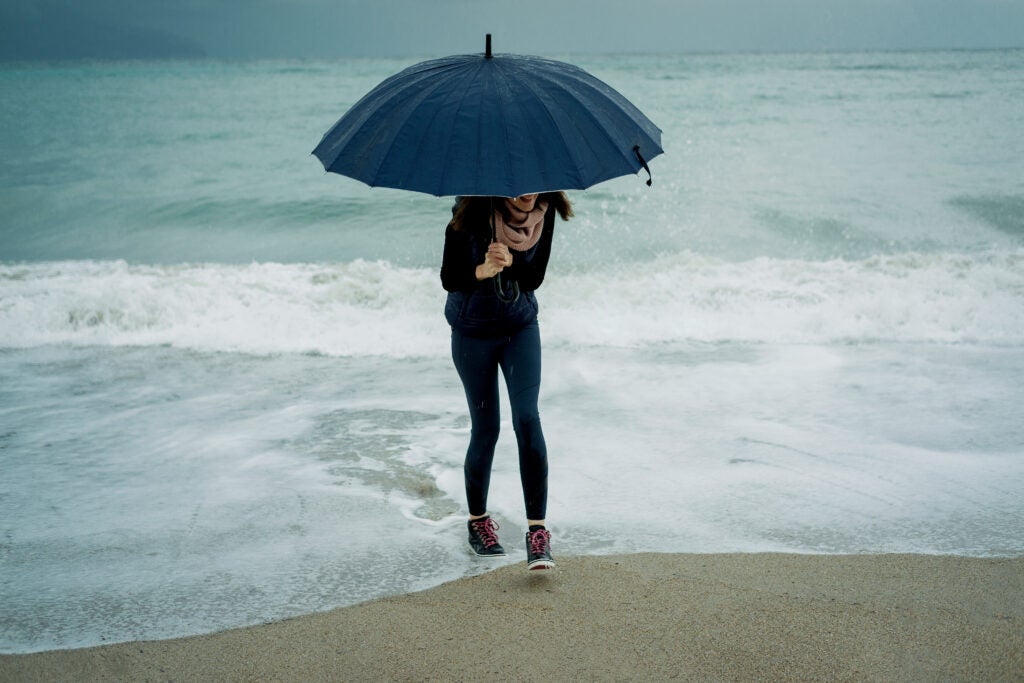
x: 538, y: 549
x: 483, y: 537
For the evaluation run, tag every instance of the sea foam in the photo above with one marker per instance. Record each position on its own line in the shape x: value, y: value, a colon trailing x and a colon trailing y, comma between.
x: 368, y: 308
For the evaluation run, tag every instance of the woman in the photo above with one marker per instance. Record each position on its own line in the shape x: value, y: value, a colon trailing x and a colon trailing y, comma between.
x: 494, y: 325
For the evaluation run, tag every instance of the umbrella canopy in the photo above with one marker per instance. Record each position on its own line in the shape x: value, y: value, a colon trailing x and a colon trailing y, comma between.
x: 490, y: 125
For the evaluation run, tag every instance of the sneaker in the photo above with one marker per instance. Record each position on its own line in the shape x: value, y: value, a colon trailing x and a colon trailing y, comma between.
x: 538, y: 549
x: 483, y: 537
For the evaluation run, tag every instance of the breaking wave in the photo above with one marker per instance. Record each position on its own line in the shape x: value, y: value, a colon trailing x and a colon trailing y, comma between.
x: 367, y: 308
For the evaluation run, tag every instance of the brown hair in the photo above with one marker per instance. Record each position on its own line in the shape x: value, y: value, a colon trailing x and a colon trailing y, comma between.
x: 473, y: 211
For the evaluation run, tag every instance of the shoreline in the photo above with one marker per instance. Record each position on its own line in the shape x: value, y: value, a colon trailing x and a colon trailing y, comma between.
x: 622, y: 617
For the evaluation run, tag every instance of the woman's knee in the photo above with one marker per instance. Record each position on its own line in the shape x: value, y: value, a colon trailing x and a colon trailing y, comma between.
x: 527, y: 427
x: 485, y: 436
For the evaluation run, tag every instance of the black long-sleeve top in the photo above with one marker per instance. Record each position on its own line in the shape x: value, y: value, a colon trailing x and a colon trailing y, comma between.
x: 473, y: 306
x: 464, y: 250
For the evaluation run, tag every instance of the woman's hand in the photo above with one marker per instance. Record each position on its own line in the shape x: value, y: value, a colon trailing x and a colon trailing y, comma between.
x: 498, y: 258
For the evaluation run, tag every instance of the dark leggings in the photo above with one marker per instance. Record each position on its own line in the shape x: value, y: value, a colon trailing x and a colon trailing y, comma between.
x: 477, y: 361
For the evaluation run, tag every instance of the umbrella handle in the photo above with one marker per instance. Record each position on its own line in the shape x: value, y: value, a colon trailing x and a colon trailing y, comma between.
x: 499, y: 290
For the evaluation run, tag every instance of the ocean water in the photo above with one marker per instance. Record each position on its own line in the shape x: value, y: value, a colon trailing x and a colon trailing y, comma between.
x: 226, y: 394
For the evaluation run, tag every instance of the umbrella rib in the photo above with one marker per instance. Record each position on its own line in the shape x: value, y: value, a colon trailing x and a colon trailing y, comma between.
x: 435, y: 84
x: 369, y: 107
x: 448, y: 153
x: 601, y: 124
x: 570, y: 150
x: 508, y: 143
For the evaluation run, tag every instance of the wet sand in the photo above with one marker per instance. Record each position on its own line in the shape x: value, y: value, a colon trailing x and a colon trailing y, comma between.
x: 637, y: 617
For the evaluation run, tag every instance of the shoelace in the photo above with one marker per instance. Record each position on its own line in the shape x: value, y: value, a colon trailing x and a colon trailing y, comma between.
x: 485, y: 529
x: 539, y: 541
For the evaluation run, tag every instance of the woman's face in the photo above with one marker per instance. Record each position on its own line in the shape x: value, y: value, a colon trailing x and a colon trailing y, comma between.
x: 524, y: 202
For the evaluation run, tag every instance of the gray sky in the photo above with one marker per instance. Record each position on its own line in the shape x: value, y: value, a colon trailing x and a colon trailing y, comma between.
x: 414, y: 28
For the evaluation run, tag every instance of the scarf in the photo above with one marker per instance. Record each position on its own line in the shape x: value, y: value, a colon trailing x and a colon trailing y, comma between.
x: 522, y: 229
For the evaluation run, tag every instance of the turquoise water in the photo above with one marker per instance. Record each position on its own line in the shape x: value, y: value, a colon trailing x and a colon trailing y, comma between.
x: 224, y: 374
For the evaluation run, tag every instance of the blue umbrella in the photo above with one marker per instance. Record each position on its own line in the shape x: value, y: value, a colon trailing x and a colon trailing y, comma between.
x: 490, y: 125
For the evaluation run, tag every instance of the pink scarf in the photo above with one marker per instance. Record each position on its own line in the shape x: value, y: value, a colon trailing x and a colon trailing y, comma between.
x: 523, y: 228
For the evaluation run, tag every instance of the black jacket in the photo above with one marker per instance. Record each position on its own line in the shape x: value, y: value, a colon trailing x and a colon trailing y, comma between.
x: 473, y: 307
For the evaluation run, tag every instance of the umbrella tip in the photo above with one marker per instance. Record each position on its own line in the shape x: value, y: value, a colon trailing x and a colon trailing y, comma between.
x: 487, y: 54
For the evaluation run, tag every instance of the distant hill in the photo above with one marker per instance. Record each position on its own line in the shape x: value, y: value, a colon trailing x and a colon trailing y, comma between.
x: 70, y: 34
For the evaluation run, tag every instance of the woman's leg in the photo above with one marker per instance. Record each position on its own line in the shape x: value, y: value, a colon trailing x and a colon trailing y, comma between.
x: 520, y: 363
x: 476, y: 361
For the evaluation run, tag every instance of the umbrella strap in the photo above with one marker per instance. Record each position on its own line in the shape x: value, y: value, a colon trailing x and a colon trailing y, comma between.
x: 499, y: 288
x: 636, y: 150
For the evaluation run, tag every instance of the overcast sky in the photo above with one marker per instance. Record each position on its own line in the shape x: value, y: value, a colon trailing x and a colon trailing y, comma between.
x: 413, y: 28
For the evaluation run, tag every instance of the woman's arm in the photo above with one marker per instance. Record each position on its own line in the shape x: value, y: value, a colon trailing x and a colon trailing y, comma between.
x: 458, y: 270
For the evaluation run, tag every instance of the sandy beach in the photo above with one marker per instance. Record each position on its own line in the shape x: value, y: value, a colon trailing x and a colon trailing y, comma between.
x: 635, y: 617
